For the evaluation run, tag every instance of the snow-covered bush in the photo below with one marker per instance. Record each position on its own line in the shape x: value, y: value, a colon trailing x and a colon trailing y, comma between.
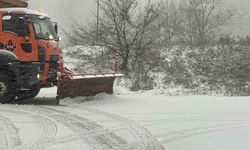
x: 95, y: 59
x: 89, y: 59
x: 195, y: 70
x: 142, y: 72
x: 221, y: 68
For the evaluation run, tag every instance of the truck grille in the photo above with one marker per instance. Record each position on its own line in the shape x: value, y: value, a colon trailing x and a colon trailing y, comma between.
x: 41, y: 57
x: 53, y: 58
x: 41, y: 54
x: 53, y: 67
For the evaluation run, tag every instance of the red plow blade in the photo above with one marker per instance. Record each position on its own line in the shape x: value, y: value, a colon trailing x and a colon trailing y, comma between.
x: 86, y: 85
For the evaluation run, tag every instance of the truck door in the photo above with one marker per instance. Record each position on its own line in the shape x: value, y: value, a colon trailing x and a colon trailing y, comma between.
x: 16, y: 36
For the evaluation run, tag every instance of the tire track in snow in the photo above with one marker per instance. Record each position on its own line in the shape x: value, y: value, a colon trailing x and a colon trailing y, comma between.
x: 100, y: 138
x: 182, y: 134
x: 9, y: 134
x: 88, y: 131
x: 190, y: 119
x: 48, y: 128
x: 146, y: 140
x: 49, y: 131
x: 3, y: 138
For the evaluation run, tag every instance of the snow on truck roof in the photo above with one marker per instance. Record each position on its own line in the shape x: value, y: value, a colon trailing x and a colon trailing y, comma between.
x: 23, y: 10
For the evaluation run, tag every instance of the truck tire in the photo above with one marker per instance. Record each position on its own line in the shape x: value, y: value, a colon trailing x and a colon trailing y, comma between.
x: 7, y: 89
x: 30, y: 94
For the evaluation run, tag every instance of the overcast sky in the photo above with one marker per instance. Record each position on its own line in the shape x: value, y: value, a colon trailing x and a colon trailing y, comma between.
x: 63, y: 11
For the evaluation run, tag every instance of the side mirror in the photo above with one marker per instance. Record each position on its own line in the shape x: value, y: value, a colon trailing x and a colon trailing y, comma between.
x: 55, y: 26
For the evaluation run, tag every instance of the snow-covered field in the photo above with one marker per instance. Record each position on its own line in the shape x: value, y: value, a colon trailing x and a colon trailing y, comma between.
x: 127, y: 121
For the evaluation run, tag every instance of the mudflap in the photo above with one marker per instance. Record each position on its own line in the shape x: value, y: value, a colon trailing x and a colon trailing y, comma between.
x: 86, y: 85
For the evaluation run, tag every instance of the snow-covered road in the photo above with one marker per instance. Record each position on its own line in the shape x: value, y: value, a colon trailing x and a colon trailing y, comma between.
x: 188, y: 122
x: 61, y: 127
x: 127, y: 122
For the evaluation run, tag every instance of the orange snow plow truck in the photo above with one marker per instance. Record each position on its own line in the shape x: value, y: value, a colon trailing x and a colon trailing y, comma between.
x: 30, y: 58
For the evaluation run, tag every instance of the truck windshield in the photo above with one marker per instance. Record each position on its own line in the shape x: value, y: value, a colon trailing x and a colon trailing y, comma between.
x: 43, y: 27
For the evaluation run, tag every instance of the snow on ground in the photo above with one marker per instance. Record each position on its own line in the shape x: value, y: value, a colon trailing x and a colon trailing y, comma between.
x: 185, y: 123
x: 127, y: 121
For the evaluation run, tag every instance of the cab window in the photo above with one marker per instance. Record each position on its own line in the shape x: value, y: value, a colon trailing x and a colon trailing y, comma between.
x: 14, y: 24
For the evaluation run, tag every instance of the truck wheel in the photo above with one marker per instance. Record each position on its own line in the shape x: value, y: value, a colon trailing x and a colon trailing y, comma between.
x: 30, y: 94
x: 7, y: 89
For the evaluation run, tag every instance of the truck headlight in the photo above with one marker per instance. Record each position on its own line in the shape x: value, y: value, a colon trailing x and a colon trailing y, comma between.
x: 51, y: 37
x: 38, y: 76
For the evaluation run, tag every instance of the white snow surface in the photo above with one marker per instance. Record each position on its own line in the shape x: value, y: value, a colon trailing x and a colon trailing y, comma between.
x: 127, y: 121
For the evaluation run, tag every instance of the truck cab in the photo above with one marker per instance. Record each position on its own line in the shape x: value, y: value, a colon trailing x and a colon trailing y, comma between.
x: 30, y: 57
